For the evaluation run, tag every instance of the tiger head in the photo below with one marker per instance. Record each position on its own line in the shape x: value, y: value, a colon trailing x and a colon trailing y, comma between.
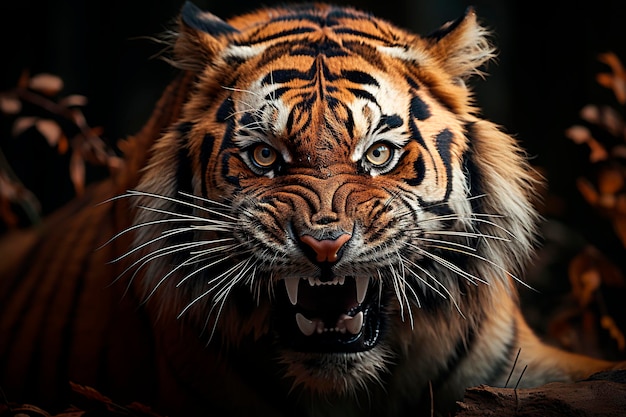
x: 329, y: 187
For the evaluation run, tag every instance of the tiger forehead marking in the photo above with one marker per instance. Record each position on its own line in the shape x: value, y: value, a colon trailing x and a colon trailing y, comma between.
x: 320, y: 108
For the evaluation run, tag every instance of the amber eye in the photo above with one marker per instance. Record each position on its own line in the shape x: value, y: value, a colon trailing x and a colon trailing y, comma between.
x: 264, y: 156
x: 379, y: 154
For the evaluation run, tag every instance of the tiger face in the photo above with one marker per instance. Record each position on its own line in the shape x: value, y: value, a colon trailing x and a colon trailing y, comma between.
x: 330, y: 189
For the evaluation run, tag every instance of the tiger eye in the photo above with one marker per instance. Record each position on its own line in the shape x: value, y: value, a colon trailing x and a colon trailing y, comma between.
x: 379, y: 154
x: 264, y: 156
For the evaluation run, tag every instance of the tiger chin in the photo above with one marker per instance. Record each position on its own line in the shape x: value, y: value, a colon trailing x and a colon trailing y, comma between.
x: 328, y: 226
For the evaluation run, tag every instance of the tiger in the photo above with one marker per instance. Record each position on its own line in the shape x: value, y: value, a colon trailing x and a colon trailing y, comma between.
x: 315, y: 221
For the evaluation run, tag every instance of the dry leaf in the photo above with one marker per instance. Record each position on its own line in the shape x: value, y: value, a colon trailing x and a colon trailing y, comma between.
x: 588, y: 191
x: 612, y: 121
x: 22, y: 124
x: 89, y: 393
x: 590, y: 113
x: 115, y: 164
x: 584, y: 283
x: 46, y: 84
x: 24, y: 79
x: 610, y: 181
x: 616, y: 334
x: 616, y: 80
x: 142, y: 410
x: 77, y: 172
x: 74, y: 100
x: 10, y: 104
x: 64, y: 144
x: 578, y: 134
x: 50, y: 130
x: 598, y: 152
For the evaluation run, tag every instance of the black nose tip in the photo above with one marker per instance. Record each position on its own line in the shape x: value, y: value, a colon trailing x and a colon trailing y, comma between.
x: 326, y: 250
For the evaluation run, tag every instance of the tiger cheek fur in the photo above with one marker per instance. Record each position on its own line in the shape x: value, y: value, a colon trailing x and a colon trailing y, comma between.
x: 346, y: 208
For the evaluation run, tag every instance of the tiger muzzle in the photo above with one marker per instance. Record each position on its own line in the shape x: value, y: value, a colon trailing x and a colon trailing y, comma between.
x: 328, y: 313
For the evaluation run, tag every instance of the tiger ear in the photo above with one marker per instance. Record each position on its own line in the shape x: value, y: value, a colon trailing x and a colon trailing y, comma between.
x: 201, y: 37
x: 462, y: 46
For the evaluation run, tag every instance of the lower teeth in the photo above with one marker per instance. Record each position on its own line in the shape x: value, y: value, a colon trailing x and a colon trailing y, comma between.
x: 344, y: 324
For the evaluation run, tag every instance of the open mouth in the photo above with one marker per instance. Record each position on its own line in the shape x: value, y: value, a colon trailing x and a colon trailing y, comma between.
x: 337, y: 315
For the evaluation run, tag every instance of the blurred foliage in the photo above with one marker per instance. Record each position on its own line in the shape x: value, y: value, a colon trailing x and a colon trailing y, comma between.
x: 585, y: 313
x: 35, y: 110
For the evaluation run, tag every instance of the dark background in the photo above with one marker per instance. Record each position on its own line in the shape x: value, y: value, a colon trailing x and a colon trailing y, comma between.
x: 544, y: 74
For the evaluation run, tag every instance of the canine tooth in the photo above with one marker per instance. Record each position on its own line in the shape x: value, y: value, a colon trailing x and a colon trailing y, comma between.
x: 312, y: 282
x: 341, y: 280
x: 320, y: 327
x: 292, y: 289
x: 361, y: 288
x: 354, y: 324
x: 306, y: 326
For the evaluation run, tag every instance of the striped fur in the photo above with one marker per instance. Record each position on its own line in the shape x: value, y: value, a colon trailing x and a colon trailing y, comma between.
x: 291, y: 130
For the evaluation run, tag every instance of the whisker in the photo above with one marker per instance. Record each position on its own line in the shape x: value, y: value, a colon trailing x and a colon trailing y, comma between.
x: 191, y: 217
x: 466, y: 234
x: 452, y: 267
x: 241, y: 90
x: 490, y: 262
x: 225, y: 274
x: 443, y: 287
x: 168, y: 250
x: 140, y: 225
x: 162, y: 236
x: 166, y: 276
x: 445, y: 242
x: 133, y: 193
x: 209, y: 265
x: 206, y: 200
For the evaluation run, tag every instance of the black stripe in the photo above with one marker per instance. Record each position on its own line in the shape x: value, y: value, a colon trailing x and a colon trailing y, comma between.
x: 412, y: 82
x: 363, y: 94
x: 419, y: 168
x: 277, y: 35
x: 184, y: 174
x: 360, y: 34
x: 443, y: 143
x: 419, y: 109
x: 388, y: 122
x: 225, y: 170
x: 367, y: 52
x: 284, y: 76
x: 440, y: 33
x: 359, y: 77
x: 225, y: 110
x: 74, y: 238
x: 473, y: 177
x: 205, y: 22
x: 206, y: 150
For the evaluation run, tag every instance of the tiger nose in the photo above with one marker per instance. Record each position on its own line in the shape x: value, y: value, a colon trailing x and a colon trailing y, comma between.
x: 326, y: 250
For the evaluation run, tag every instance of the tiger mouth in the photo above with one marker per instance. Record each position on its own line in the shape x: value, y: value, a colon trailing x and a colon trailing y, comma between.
x: 337, y: 315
